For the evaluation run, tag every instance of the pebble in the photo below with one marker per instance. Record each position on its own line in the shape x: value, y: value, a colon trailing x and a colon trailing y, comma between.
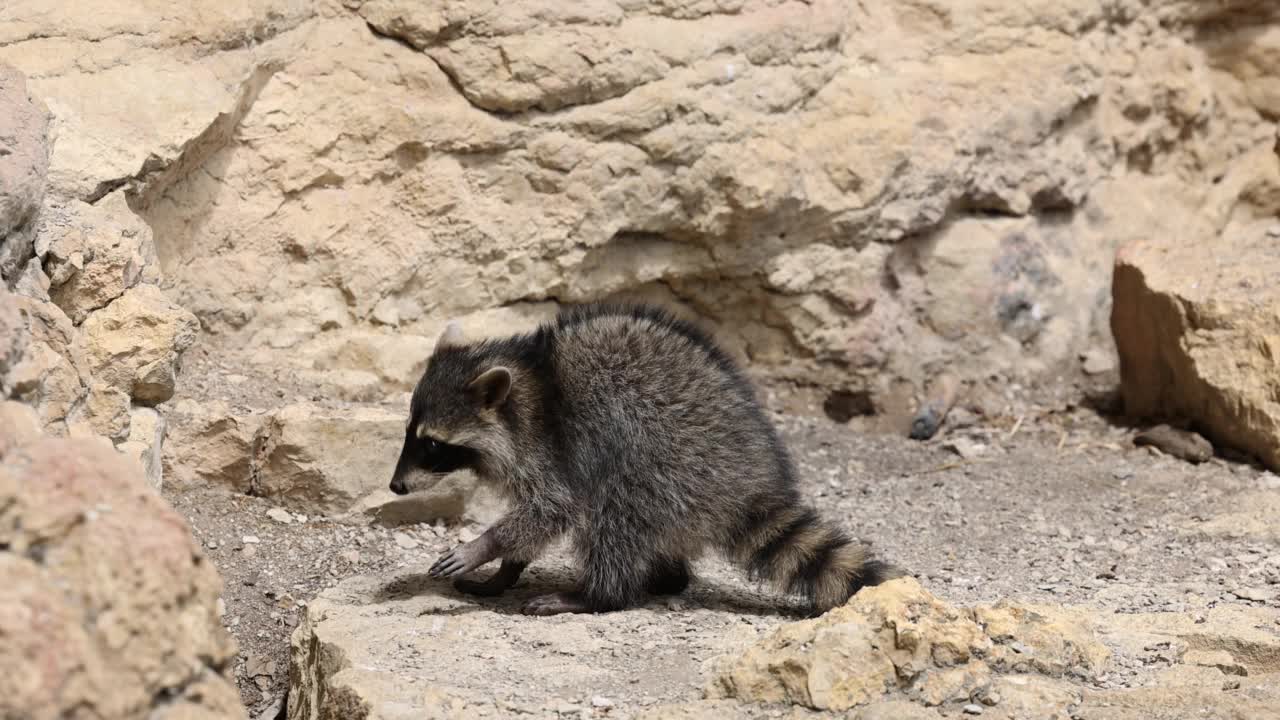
x: 251, y: 578
x: 212, y: 544
x: 250, y: 539
x: 972, y: 709
x: 1122, y: 473
x: 601, y: 701
x: 249, y: 551
x: 405, y: 542
x: 280, y: 515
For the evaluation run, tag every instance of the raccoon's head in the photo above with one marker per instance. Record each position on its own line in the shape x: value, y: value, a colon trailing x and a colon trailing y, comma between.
x: 454, y: 416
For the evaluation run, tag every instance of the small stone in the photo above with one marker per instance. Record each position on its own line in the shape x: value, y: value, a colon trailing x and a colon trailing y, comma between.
x: 250, y: 539
x: 991, y: 699
x: 404, y: 541
x: 601, y: 702
x: 251, y: 579
x: 351, y: 557
x: 211, y: 544
x: 1122, y: 473
x: 972, y: 709
x: 280, y: 515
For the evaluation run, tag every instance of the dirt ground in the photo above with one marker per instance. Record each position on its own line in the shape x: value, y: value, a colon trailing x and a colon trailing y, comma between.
x: 1052, y: 503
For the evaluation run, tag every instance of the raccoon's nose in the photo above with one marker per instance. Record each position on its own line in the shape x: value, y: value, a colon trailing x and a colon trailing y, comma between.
x: 397, y: 487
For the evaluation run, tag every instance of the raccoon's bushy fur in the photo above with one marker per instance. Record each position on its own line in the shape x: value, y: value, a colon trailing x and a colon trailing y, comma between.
x: 631, y: 431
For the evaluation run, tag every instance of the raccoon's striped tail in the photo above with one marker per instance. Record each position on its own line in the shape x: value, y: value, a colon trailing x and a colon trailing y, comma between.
x: 799, y: 552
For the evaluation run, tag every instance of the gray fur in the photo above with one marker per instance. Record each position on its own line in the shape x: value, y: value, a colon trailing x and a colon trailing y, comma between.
x: 633, y: 433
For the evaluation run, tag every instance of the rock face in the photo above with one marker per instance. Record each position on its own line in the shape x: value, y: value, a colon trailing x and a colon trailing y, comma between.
x: 853, y: 196
x: 109, y: 608
x: 1199, y: 337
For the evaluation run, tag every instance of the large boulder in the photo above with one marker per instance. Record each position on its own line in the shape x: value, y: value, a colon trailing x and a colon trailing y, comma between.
x: 24, y: 161
x: 316, y: 459
x: 1195, y: 323
x: 108, y: 608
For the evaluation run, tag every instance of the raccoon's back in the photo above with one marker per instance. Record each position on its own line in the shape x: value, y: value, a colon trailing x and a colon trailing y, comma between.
x: 645, y: 392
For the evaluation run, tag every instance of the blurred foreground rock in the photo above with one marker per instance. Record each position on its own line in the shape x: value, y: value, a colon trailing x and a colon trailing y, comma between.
x: 108, y: 608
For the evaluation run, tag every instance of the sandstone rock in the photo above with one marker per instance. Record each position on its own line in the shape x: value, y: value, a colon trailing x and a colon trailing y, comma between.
x: 1197, y: 336
x: 109, y: 607
x: 210, y: 445
x: 104, y: 411
x: 134, y: 344
x: 93, y: 253
x: 898, y: 636
x: 24, y: 161
x: 314, y: 459
x: 127, y: 107
x: 145, y: 443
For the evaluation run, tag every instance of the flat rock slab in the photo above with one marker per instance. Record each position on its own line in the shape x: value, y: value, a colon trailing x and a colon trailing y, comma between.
x: 405, y: 646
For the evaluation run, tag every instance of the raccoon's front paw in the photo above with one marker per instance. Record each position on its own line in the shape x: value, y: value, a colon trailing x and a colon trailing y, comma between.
x: 461, y: 560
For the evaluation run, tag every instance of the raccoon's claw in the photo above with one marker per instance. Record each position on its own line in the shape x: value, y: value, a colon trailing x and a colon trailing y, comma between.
x: 451, y: 564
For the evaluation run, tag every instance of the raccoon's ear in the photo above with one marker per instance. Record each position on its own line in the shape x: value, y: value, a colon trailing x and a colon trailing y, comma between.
x: 492, y: 386
x: 452, y: 335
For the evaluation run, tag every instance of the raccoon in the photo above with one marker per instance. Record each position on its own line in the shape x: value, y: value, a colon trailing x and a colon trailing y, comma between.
x: 633, y: 433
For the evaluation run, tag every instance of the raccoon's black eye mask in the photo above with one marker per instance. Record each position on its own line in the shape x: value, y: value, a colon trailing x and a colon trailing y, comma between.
x: 436, y: 456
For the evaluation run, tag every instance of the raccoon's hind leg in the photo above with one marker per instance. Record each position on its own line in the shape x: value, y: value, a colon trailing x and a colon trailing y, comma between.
x: 667, y: 576
x: 614, y: 567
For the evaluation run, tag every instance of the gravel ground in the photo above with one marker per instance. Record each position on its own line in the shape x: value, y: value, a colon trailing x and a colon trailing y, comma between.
x: 1046, y: 506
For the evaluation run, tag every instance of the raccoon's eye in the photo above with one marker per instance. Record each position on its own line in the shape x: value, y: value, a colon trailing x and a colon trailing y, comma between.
x: 430, y: 444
